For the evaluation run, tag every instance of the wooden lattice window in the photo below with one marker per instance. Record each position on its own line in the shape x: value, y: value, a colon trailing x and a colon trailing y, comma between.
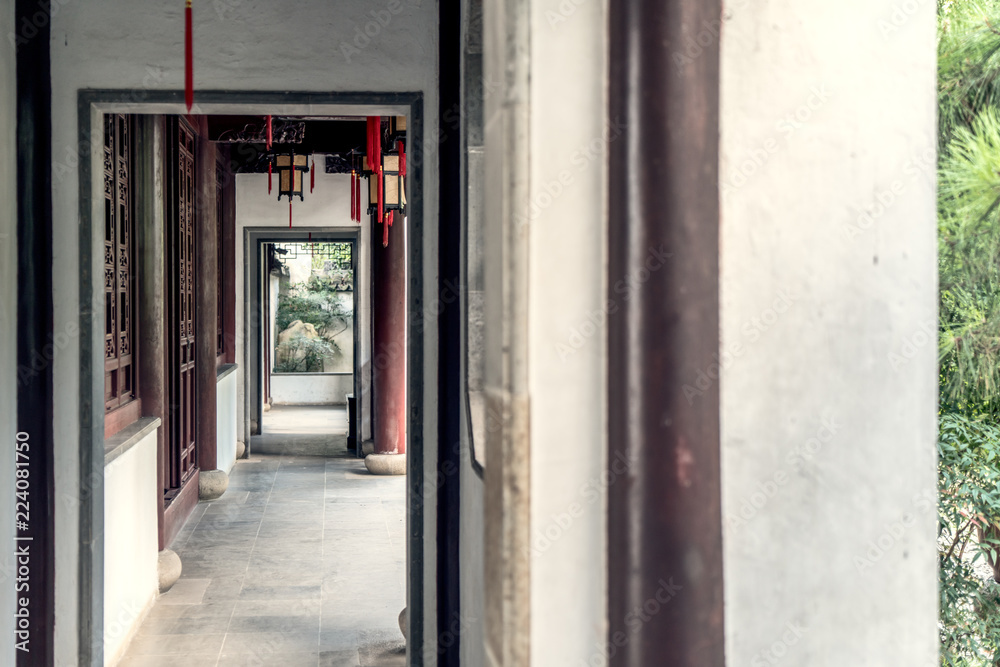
x: 119, y: 279
x: 181, y: 262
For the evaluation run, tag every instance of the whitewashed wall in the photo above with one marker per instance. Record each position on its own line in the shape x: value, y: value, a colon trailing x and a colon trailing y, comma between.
x: 240, y: 45
x: 130, y: 544
x: 566, y: 230
x: 828, y: 449
x: 8, y: 326
x: 226, y: 421
x: 328, y: 206
x: 311, y: 388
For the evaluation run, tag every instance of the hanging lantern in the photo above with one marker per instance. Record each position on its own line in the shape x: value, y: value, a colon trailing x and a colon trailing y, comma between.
x: 291, y: 168
x: 393, y: 192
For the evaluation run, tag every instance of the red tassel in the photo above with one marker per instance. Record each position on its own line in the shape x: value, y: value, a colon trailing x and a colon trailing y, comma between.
x: 385, y: 231
x: 289, y: 212
x: 375, y: 157
x: 270, y: 133
x: 352, y: 195
x: 312, y: 176
x: 188, y: 57
x: 357, y: 198
x: 402, y: 159
x: 269, y: 174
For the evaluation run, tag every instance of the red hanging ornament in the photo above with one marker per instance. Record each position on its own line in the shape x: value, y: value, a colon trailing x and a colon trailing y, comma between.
x: 312, y: 176
x: 385, y: 230
x: 357, y: 198
x: 270, y: 133
x: 352, y: 195
x: 375, y: 158
x: 268, y: 174
x: 402, y: 158
x: 188, y: 57
x: 289, y: 212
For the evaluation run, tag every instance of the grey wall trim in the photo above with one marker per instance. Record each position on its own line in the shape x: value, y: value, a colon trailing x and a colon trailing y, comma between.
x: 91, y: 511
x: 225, y: 369
x: 128, y: 438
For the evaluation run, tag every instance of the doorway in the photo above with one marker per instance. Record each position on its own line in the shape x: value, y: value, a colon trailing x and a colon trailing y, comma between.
x: 92, y: 105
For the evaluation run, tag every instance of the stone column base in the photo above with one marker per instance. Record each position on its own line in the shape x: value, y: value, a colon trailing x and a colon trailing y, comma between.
x: 386, y: 464
x: 241, y: 449
x: 212, y: 484
x: 168, y: 568
x: 402, y: 622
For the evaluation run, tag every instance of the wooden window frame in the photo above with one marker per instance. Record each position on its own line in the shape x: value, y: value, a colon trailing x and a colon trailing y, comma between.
x: 122, y: 407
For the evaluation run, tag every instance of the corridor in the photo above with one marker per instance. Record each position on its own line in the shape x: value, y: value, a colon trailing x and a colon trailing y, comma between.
x: 300, y: 562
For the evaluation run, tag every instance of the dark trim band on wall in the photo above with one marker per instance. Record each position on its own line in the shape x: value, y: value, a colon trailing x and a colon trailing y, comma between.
x: 450, y: 332
x: 35, y: 347
x: 664, y: 517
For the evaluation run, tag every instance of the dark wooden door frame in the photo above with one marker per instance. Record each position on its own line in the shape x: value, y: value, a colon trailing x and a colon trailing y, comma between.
x: 664, y: 519
x: 35, y: 541
x: 258, y: 342
x: 91, y: 510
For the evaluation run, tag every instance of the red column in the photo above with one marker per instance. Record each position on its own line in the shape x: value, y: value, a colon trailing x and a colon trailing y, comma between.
x: 389, y: 305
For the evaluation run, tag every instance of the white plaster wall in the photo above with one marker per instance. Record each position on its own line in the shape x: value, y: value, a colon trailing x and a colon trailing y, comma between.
x: 827, y: 448
x: 8, y: 328
x: 328, y: 206
x: 567, y: 230
x: 130, y: 544
x: 226, y: 422
x: 240, y: 45
x: 311, y: 388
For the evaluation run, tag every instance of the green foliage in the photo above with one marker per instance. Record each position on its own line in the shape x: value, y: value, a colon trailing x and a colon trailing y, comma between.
x: 969, y: 312
x: 314, y: 302
x: 969, y: 508
x: 302, y: 354
x: 969, y: 252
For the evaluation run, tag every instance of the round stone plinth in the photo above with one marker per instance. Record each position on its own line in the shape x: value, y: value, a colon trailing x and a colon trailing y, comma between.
x: 386, y: 464
x: 212, y: 484
x: 168, y: 568
x: 402, y: 622
x: 241, y: 449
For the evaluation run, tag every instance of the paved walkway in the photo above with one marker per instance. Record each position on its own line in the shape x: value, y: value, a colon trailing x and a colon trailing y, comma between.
x: 301, y: 562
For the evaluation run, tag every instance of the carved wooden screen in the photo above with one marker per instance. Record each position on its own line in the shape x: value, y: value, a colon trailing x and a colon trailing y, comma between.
x: 119, y: 360
x: 182, y: 454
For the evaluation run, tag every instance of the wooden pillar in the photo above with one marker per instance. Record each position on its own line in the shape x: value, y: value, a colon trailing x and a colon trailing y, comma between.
x: 152, y: 280
x: 206, y: 305
x: 389, y: 302
x: 664, y: 519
